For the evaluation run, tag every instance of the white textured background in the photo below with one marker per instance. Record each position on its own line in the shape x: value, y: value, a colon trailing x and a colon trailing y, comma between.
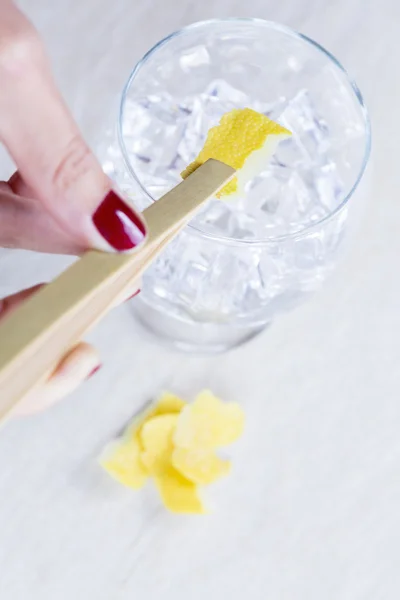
x: 312, y: 511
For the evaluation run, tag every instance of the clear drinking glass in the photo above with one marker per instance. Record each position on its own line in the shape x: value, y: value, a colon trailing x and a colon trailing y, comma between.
x: 241, y: 262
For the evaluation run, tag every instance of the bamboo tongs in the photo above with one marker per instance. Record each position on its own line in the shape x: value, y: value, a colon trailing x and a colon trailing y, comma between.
x: 35, y: 337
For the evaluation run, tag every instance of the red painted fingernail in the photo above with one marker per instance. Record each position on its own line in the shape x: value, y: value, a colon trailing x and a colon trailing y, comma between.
x: 93, y: 372
x: 133, y: 295
x: 119, y: 225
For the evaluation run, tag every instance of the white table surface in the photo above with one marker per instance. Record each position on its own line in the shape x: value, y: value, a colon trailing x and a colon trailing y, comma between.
x: 312, y: 510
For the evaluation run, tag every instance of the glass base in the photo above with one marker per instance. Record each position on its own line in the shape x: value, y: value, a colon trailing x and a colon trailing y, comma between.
x: 191, y: 337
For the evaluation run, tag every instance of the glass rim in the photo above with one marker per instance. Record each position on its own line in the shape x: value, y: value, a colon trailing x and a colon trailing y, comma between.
x: 287, y: 31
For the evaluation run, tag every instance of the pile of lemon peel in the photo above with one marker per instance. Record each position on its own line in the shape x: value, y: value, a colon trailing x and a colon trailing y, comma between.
x: 175, y: 444
x: 245, y: 140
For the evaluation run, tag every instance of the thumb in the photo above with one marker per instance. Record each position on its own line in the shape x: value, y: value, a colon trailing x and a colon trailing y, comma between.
x: 51, y: 155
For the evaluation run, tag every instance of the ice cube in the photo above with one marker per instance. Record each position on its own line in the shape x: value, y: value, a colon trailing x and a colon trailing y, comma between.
x: 328, y: 186
x: 227, y: 94
x: 153, y: 127
x: 136, y: 118
x: 310, y: 134
x: 309, y: 252
x: 194, y: 57
x: 191, y: 280
x: 215, y: 218
x: 206, y: 111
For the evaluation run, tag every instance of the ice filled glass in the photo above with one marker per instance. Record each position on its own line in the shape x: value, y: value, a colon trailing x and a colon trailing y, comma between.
x: 241, y: 261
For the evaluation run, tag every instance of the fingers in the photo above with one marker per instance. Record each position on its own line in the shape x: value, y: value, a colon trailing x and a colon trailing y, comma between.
x: 25, y: 224
x: 78, y: 365
x: 51, y: 155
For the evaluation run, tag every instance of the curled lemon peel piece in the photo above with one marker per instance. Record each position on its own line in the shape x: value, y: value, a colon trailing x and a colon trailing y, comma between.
x: 179, y: 494
x: 209, y: 423
x: 245, y: 140
x: 156, y: 438
x: 122, y: 460
x: 200, y: 466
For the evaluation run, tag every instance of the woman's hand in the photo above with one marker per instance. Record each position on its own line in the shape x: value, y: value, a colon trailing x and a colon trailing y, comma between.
x: 59, y: 200
x: 76, y: 367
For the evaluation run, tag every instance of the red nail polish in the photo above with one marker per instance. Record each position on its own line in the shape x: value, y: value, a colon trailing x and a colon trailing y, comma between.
x: 133, y: 295
x: 93, y: 372
x: 119, y: 225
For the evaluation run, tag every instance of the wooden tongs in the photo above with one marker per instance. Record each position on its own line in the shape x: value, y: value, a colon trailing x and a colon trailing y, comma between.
x: 35, y: 337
